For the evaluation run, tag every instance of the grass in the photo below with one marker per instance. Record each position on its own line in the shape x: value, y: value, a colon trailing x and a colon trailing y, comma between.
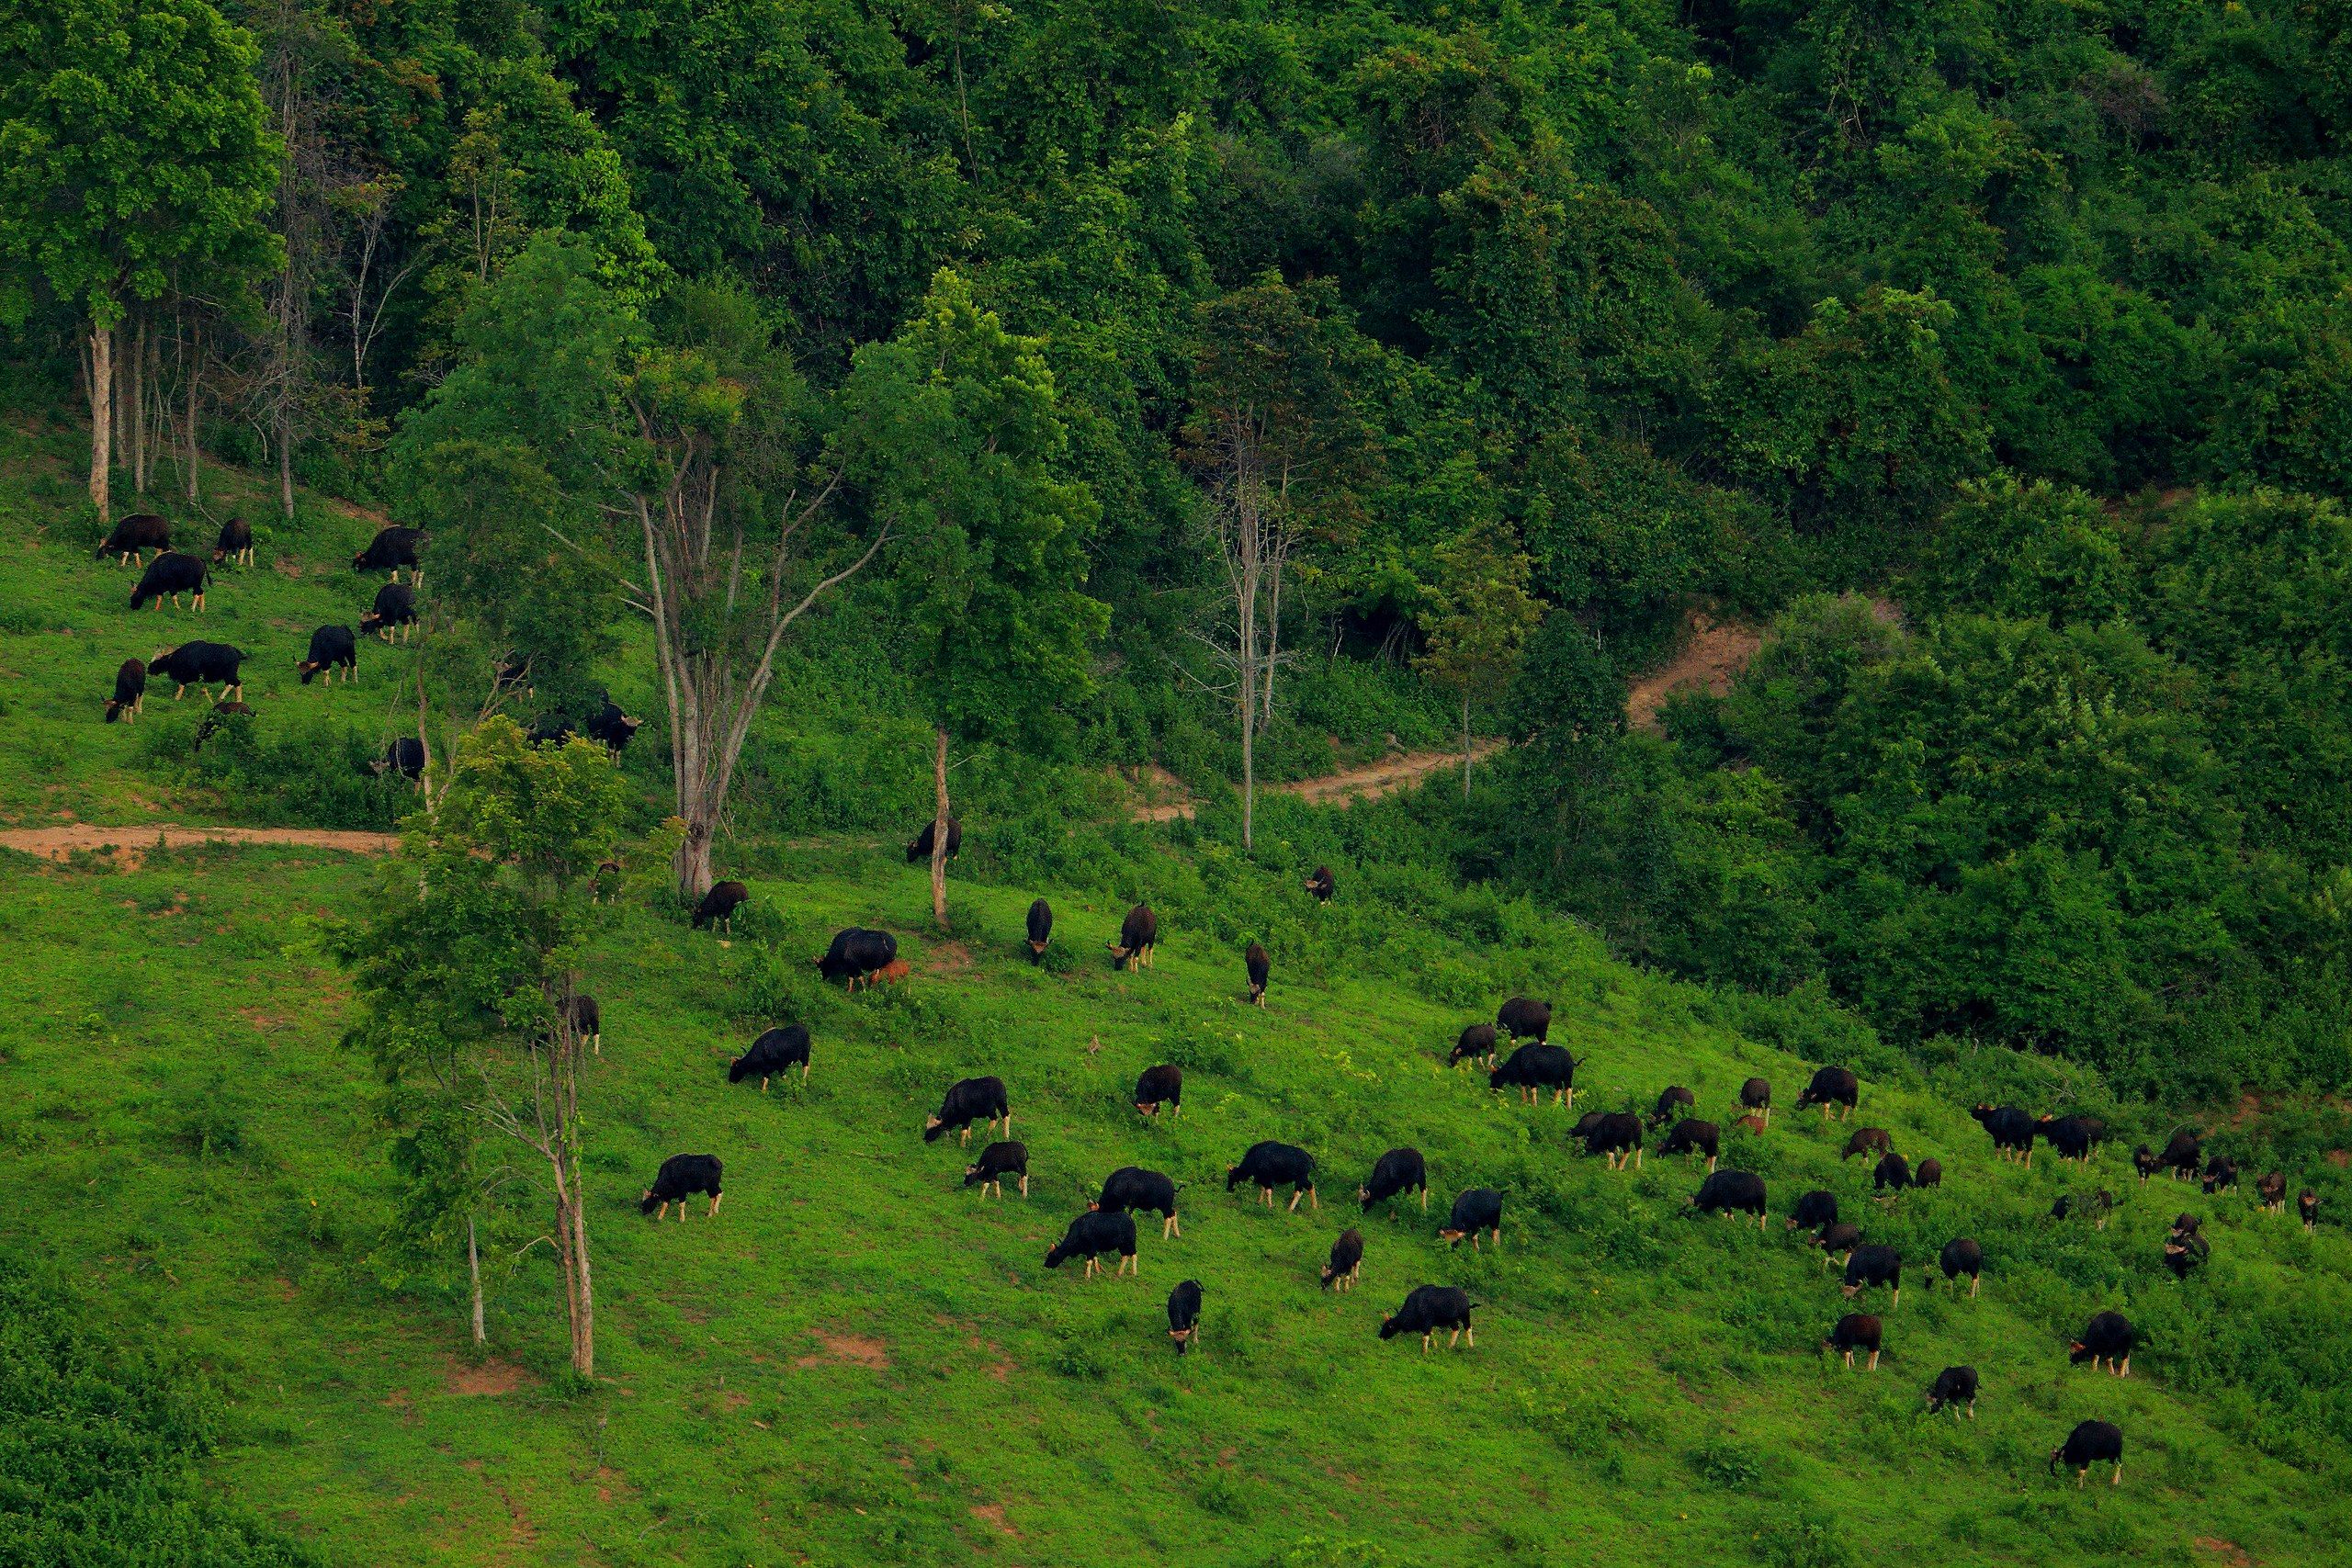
x: 859, y: 1361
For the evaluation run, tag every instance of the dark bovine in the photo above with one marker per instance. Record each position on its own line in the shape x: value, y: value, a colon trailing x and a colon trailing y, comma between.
x: 1523, y: 1019
x: 1674, y: 1100
x: 1428, y: 1309
x: 1535, y: 1067
x: 1724, y: 1191
x: 390, y: 551
x: 2090, y: 1443
x: 1867, y: 1140
x: 168, y: 576
x: 2307, y: 1205
x: 1813, y: 1211
x: 1756, y: 1095
x: 918, y: 847
x: 1091, y: 1235
x: 1272, y: 1165
x: 857, y: 954
x: 1476, y: 1209
x: 998, y: 1161
x: 404, y: 756
x: 1396, y: 1171
x: 1831, y: 1085
x: 1930, y: 1172
x: 1254, y: 960
x: 1475, y: 1044
x: 1692, y: 1137
x: 679, y: 1176
x: 1617, y: 1135
x: 2181, y: 1155
x: 719, y: 906
x: 395, y: 606
x: 218, y: 719
x: 1856, y: 1331
x: 235, y: 542
x: 586, y: 1019
x: 771, y: 1054
x: 2106, y: 1338
x: 1868, y: 1266
x: 2185, y: 1250
x: 1138, y: 934
x: 133, y: 537
x: 1892, y: 1171
x: 1955, y: 1386
x: 611, y: 726
x: 2099, y: 1202
x: 1132, y: 1187
x: 332, y: 648
x: 2271, y: 1188
x: 2145, y: 1161
x: 2075, y: 1137
x: 2011, y: 1129
x: 198, y: 664
x: 1347, y: 1260
x: 1164, y: 1085
x: 1841, y: 1238
x: 1960, y: 1255
x: 1041, y: 929
x: 1184, y: 1315
x: 969, y: 1101
x: 130, y: 690
x: 2221, y: 1172
x: 1321, y: 885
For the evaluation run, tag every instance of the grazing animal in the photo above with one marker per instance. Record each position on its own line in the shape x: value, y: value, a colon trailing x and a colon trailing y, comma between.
x: 170, y: 575
x: 1524, y: 1020
x: 2181, y: 1155
x: 548, y: 729
x: 1868, y: 1266
x: 332, y: 648
x: 2100, y: 1202
x: 918, y: 847
x: 1164, y: 1085
x: 1841, y: 1238
x: 1865, y: 1140
x: 1955, y: 1386
x: 218, y: 719
x: 1532, y: 1068
x: 2012, y: 1131
x: 1138, y: 934
x: 998, y: 1161
x: 2075, y: 1137
x: 587, y: 1019
x: 1477, y: 1044
x: 1962, y: 1254
x: 1347, y: 1260
x: 2145, y: 1161
x: 134, y: 537
x: 1753, y: 1123
x: 129, y: 692
x: 1815, y: 1211
x: 395, y: 608
x: 1322, y: 884
x: 2185, y: 1250
x: 2090, y: 1443
x: 969, y: 1101
x: 1475, y: 1210
x: 1892, y: 1171
x: 1272, y: 1165
x: 771, y: 1054
x: 1674, y: 1101
x: 1930, y: 1172
x: 611, y: 726
x: 1832, y: 1086
x: 404, y: 756
x: 390, y: 551
x: 1616, y: 1135
x: 1692, y: 1137
x: 1041, y: 929
x: 2307, y: 1205
x: 2272, y: 1189
x: 1091, y: 1235
x: 1428, y: 1309
x: 856, y: 955
x: 605, y: 886
x: 1856, y: 1331
x: 1755, y: 1096
x: 1255, y: 959
x: 717, y: 908
x: 1727, y: 1191
x: 679, y: 1176
x: 200, y: 664
x: 2221, y: 1172
x: 235, y: 542
x: 1393, y: 1172
x: 1184, y: 1315
x: 2106, y: 1338
x: 1132, y: 1187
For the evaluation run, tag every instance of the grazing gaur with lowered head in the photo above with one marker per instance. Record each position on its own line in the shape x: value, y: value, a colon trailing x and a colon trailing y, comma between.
x: 856, y: 955
x: 168, y: 576
x: 771, y: 1055
x: 1272, y: 1165
x: 1839, y: 1239
x: 969, y: 1101
x: 1162, y: 1085
x: 1962, y: 1254
x: 1091, y: 1235
x: 1255, y: 960
x: 919, y: 848
x: 2221, y: 1173
x: 718, y: 908
x: 200, y: 664
x: 1428, y: 1309
x: 1756, y: 1097
x: 1832, y: 1086
x: 2181, y: 1155
x: 1184, y: 1315
x: 134, y: 537
x: 405, y: 756
x: 1693, y: 1136
x: 1476, y: 1209
x: 1672, y: 1102
x: 1856, y: 1331
x: 235, y: 542
x: 394, y: 609
x: 1868, y: 1266
x: 1138, y: 934
x: 2106, y: 1338
x: 1813, y: 1210
x: 390, y: 551
x: 2012, y: 1131
x: 2090, y: 1443
x: 680, y: 1176
x: 996, y: 1162
x: 129, y: 692
x: 1535, y: 1067
x: 332, y: 649
x: 1041, y: 929
x: 1617, y: 1136
x: 1132, y: 1187
x: 1321, y: 885
x: 1725, y: 1191
x: 1956, y: 1387
x: 1891, y: 1172
x: 1867, y: 1140
x: 1477, y: 1044
x: 580, y: 1012
x: 1347, y: 1260
x: 1929, y: 1173
x: 1523, y: 1019
x: 2075, y: 1137
x: 2271, y: 1188
x: 1398, y: 1170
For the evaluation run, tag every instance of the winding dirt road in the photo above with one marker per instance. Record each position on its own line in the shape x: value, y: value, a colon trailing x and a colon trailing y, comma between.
x: 131, y: 844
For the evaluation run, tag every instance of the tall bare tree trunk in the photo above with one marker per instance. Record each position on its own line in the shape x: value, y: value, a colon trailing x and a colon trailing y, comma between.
x: 473, y: 1272
x: 135, y: 393
x: 102, y: 422
x: 195, y: 374
x: 939, y: 833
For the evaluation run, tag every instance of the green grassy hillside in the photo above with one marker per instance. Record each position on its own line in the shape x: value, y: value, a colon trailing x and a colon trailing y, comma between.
x: 859, y: 1361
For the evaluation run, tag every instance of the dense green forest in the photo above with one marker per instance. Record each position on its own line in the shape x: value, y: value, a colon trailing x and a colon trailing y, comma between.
x: 1238, y: 387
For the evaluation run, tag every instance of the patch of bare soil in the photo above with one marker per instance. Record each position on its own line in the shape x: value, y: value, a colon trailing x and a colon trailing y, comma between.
x: 858, y: 1348
x: 2227, y: 1551
x: 130, y: 845
x: 1400, y: 770
x: 993, y: 1513
x: 490, y: 1378
x: 947, y: 958
x: 1712, y: 655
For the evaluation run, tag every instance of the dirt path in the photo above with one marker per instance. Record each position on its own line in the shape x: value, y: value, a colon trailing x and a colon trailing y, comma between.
x: 1715, y: 652
x: 1366, y: 783
x: 131, y: 844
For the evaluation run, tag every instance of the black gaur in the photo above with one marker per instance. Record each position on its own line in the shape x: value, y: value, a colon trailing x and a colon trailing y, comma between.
x: 1347, y: 1260
x: 679, y: 1176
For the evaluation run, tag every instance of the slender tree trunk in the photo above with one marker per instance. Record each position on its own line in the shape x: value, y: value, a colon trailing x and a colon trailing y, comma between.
x: 135, y: 393
x: 102, y: 422
x: 285, y: 458
x: 473, y: 1272
x: 583, y: 1328
x: 939, y: 833
x: 1465, y: 746
x: 1274, y: 644
x: 195, y: 373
